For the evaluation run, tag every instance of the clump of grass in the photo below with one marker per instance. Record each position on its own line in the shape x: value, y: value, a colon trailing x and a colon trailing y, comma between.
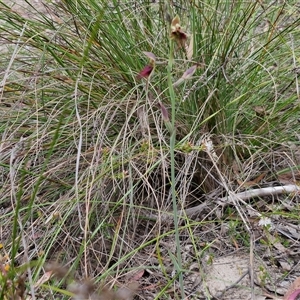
x: 93, y: 153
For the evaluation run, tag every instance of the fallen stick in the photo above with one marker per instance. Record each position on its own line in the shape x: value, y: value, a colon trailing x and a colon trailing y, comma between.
x: 232, y: 197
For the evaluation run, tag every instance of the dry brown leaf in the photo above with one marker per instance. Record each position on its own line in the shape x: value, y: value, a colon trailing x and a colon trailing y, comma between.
x: 289, y: 177
x: 251, y: 182
x: 189, y: 50
x: 43, y: 279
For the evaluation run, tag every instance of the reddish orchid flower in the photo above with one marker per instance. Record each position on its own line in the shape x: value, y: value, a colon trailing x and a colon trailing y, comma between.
x: 147, y: 70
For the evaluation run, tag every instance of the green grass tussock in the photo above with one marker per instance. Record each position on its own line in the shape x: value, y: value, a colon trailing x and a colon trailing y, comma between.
x: 93, y: 153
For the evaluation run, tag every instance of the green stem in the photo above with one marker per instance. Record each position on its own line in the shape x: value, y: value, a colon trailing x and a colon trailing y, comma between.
x: 172, y: 155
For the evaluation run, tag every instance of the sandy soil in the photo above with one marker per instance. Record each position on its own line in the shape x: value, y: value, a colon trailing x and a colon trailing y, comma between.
x: 24, y: 8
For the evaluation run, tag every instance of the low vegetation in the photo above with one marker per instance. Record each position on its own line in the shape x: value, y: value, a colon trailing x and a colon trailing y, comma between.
x: 118, y: 118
